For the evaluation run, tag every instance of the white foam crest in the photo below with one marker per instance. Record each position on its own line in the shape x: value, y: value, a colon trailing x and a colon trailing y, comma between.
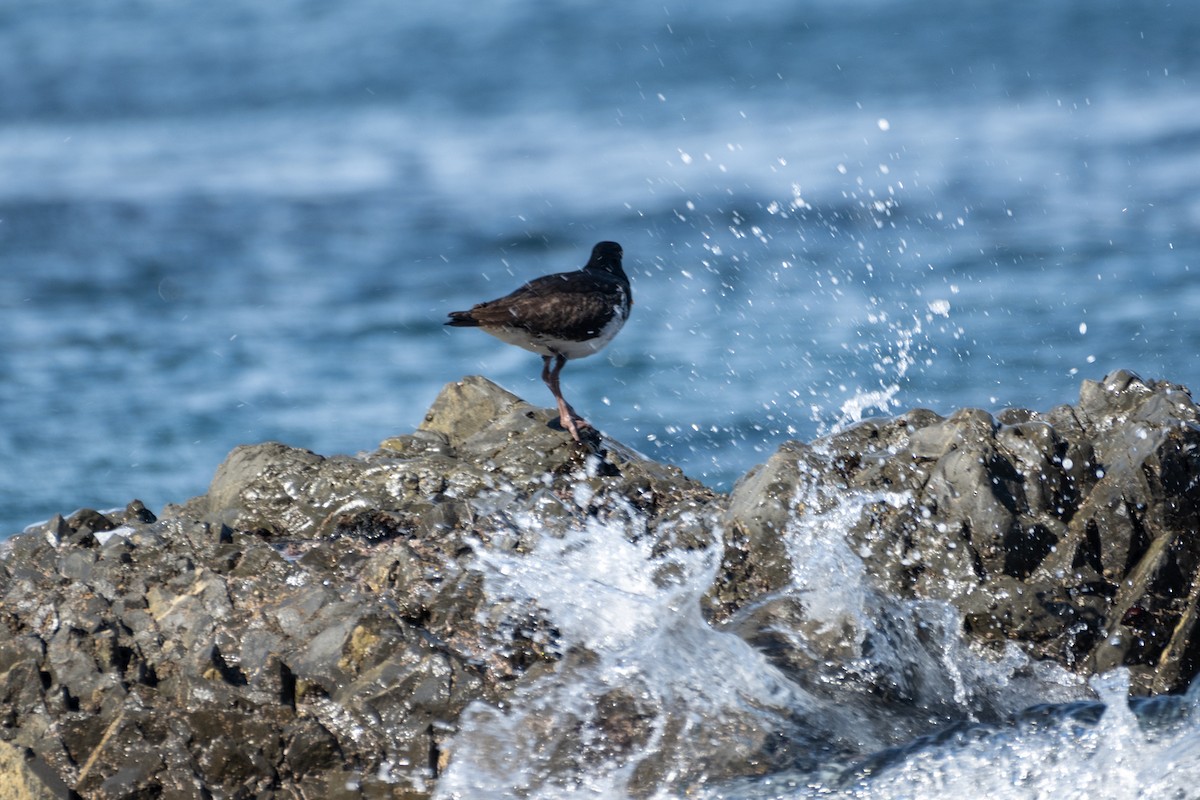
x: 646, y: 691
x: 914, y: 648
x: 1117, y: 759
x: 854, y: 409
x: 590, y: 579
x: 1123, y: 756
x: 648, y: 699
x: 830, y: 576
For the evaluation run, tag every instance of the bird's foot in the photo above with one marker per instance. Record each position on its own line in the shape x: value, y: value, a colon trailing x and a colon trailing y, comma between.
x: 580, y: 429
x: 577, y: 426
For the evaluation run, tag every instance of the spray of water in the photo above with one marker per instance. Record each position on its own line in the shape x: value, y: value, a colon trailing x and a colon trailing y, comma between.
x: 648, y: 699
x: 905, y: 342
x: 1154, y: 754
x: 872, y: 644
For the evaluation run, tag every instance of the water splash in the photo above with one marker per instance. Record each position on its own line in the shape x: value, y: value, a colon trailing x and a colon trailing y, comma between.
x: 904, y: 343
x: 912, y: 654
x: 1151, y: 754
x: 866, y: 644
x: 647, y: 697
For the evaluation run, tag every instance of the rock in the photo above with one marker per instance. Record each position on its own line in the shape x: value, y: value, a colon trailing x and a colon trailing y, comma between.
x: 310, y: 620
x: 1072, y: 532
x: 465, y: 408
x: 24, y: 777
x: 321, y: 622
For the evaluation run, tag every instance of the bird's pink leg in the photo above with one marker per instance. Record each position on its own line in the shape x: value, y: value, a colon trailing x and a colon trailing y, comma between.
x: 566, y: 415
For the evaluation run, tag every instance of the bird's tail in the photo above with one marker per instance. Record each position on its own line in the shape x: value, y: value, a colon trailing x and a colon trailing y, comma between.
x: 462, y: 319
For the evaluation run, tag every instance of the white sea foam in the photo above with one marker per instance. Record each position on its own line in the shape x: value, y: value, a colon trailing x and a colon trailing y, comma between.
x: 632, y: 636
x: 649, y: 699
x: 1118, y: 758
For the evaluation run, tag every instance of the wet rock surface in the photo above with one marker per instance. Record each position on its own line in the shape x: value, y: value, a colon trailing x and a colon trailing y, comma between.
x: 309, y: 622
x: 314, y: 626
x: 1071, y: 532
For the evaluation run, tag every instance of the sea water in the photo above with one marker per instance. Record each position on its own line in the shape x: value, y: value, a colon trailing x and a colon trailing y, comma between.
x: 224, y: 223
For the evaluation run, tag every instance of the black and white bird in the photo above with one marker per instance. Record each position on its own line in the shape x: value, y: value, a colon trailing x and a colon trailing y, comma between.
x: 561, y: 317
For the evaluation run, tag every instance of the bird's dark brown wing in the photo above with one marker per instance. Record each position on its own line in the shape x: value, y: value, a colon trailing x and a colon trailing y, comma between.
x: 570, y: 305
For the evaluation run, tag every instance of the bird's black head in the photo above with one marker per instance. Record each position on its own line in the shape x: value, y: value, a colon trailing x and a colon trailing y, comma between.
x: 606, y: 256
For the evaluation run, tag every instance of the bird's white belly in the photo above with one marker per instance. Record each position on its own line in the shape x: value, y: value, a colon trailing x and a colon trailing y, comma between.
x: 549, y: 345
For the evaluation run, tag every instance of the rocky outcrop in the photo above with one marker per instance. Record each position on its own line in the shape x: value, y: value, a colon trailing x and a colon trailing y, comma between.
x: 319, y: 622
x: 1075, y: 533
x: 309, y: 621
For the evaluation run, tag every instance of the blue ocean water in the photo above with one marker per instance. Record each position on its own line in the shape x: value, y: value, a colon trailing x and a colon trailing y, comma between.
x: 224, y: 223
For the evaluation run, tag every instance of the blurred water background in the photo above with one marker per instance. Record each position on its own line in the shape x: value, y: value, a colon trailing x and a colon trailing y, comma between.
x: 224, y: 222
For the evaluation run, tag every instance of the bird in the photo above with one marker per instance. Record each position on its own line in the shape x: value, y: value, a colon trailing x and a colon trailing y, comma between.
x: 561, y: 317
